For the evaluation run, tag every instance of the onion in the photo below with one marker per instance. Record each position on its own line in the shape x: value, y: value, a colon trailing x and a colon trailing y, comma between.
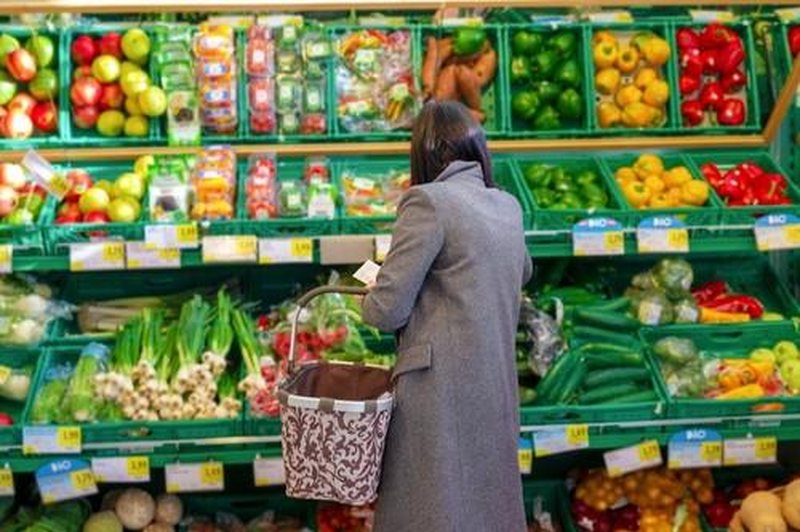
x: 135, y: 509
x: 103, y: 522
x: 31, y: 306
x: 169, y: 509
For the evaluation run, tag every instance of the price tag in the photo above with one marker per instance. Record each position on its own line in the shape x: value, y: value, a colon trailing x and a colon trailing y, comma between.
x: 141, y: 257
x: 628, y: 459
x: 525, y: 455
x: 560, y: 439
x: 662, y: 234
x: 6, y: 258
x: 230, y: 249
x: 121, y: 469
x: 741, y: 451
x: 285, y: 250
x: 789, y: 14
x: 777, y: 231
x: 454, y: 22
x: 65, y: 479
x: 208, y: 476
x: 97, y: 256
x: 611, y: 17
x: 382, y: 245
x: 705, y: 16
x: 182, y: 236
x: 596, y: 237
x: 6, y: 482
x: 51, y: 440
x: 268, y: 472
x: 5, y: 373
x: 695, y: 448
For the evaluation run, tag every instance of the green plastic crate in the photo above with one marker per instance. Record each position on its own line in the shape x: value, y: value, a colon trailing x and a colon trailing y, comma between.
x: 517, y: 126
x: 338, y: 132
x: 781, y: 45
x: 753, y: 121
x: 288, y: 170
x: 748, y: 215
x: 118, y: 431
x: 668, y: 73
x: 552, y: 219
x: 249, y: 506
x: 27, y: 239
x: 39, y: 140
x: 494, y: 102
x: 725, y: 342
x: 707, y: 215
x: 17, y: 359
x: 91, y: 138
x: 59, y: 237
x: 548, y: 496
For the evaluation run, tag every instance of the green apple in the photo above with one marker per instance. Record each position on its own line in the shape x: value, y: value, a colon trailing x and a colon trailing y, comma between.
x: 8, y: 88
x: 121, y: 210
x: 20, y: 217
x: 129, y: 184
x: 134, y: 82
x: 42, y: 49
x: 136, y: 126
x: 132, y: 106
x: 134, y: 203
x: 136, y: 45
x: 127, y: 66
x: 106, y: 68
x: 153, y: 101
x: 786, y: 350
x: 95, y: 199
x: 45, y: 85
x: 790, y: 373
x: 143, y: 164
x: 762, y: 354
x: 7, y: 45
x: 106, y: 185
x: 111, y: 123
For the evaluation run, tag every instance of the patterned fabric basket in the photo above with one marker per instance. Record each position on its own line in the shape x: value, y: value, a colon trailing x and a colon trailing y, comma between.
x: 334, y: 421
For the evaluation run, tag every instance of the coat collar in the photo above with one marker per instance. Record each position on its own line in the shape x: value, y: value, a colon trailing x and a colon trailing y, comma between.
x: 459, y: 169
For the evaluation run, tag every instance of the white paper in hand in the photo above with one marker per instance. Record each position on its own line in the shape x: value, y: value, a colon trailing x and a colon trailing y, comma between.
x: 367, y: 273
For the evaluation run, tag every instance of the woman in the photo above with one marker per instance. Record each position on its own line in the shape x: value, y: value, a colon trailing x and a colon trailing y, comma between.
x: 450, y: 289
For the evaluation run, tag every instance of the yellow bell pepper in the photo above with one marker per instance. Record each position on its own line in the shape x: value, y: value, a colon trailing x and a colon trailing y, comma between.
x: 648, y: 164
x: 625, y: 175
x: 748, y: 391
x: 694, y: 192
x: 637, y: 194
x: 676, y: 177
x: 708, y: 315
x: 675, y: 196
x: 655, y: 184
x: 661, y: 201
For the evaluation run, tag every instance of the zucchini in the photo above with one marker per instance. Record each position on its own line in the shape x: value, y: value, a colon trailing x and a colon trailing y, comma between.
x: 613, y: 359
x: 600, y: 347
x: 638, y: 397
x: 567, y: 392
x: 585, y: 332
x: 555, y: 375
x: 612, y: 305
x: 608, y: 392
x: 571, y: 295
x: 607, y: 320
x: 602, y: 377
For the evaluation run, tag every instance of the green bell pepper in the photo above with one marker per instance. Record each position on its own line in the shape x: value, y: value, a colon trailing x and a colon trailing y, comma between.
x: 544, y: 64
x: 570, y: 104
x: 568, y: 73
x: 468, y: 41
x: 586, y: 177
x: 557, y: 174
x: 520, y: 69
x: 558, y: 206
x: 525, y: 103
x: 538, y: 176
x: 572, y: 200
x: 565, y: 43
x: 544, y: 197
x: 526, y: 42
x: 594, y: 192
x: 548, y: 92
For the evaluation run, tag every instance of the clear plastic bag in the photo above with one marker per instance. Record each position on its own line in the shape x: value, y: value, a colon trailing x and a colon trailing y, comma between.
x: 544, y: 334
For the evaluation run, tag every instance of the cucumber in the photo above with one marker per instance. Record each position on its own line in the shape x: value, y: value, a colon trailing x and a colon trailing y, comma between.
x: 608, y: 392
x: 585, y: 332
x: 555, y: 375
x: 638, y: 397
x: 571, y: 385
x: 612, y: 305
x: 602, y: 377
x: 600, y: 347
x: 607, y: 320
x: 571, y: 295
x: 613, y: 359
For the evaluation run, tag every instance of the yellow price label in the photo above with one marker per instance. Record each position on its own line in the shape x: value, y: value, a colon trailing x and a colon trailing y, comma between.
x: 6, y: 478
x: 169, y: 255
x: 82, y: 480
x: 678, y: 239
x: 5, y: 373
x: 68, y: 437
x: 29, y: 449
x: 766, y: 448
x: 578, y: 435
x: 211, y: 474
x: 525, y: 459
x: 711, y: 451
x: 614, y: 240
x: 245, y: 246
x: 173, y: 487
x: 186, y: 233
x: 649, y: 451
x: 113, y: 252
x: 138, y: 467
x: 6, y: 258
x: 301, y: 248
x: 792, y: 234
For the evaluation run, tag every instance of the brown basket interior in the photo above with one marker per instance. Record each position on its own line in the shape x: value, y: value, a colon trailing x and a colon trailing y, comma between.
x: 340, y: 382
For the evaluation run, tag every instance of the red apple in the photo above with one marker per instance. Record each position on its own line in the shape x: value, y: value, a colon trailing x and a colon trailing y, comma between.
x: 69, y: 212
x: 22, y: 102
x: 45, y: 117
x: 12, y: 175
x: 112, y: 97
x: 80, y: 181
x: 8, y: 200
x: 83, y: 71
x: 111, y: 44
x: 84, y: 50
x: 3, y: 114
x: 21, y: 65
x: 18, y: 125
x: 96, y: 217
x: 85, y: 91
x: 85, y: 116
x: 32, y: 188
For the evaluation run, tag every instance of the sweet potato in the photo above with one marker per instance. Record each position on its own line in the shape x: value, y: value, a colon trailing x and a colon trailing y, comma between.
x: 486, y: 66
x: 445, y: 47
x: 430, y: 65
x: 446, y: 84
x: 469, y: 87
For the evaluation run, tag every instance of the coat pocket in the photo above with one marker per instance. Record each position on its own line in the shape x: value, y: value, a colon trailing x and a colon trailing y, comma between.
x: 414, y: 358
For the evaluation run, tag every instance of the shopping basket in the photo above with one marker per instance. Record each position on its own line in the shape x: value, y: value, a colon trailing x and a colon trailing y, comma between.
x: 334, y: 420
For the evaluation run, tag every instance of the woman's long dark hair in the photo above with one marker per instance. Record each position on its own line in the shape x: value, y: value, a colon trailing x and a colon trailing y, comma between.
x: 445, y: 132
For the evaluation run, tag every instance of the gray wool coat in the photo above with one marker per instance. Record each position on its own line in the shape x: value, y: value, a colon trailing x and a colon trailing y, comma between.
x: 450, y: 289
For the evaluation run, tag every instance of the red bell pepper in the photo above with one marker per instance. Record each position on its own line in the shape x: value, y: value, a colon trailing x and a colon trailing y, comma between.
x: 731, y: 112
x: 688, y: 84
x: 5, y: 419
x: 691, y: 63
x: 739, y: 303
x: 751, y: 171
x: 794, y: 40
x: 711, y: 95
x: 687, y: 38
x: 733, y: 186
x: 709, y: 60
x: 712, y: 174
x: 734, y: 81
x: 716, y: 35
x: 709, y: 291
x: 730, y: 56
x: 769, y: 188
x: 692, y: 112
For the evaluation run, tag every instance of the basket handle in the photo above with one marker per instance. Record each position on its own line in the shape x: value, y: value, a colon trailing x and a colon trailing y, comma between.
x: 305, y: 299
